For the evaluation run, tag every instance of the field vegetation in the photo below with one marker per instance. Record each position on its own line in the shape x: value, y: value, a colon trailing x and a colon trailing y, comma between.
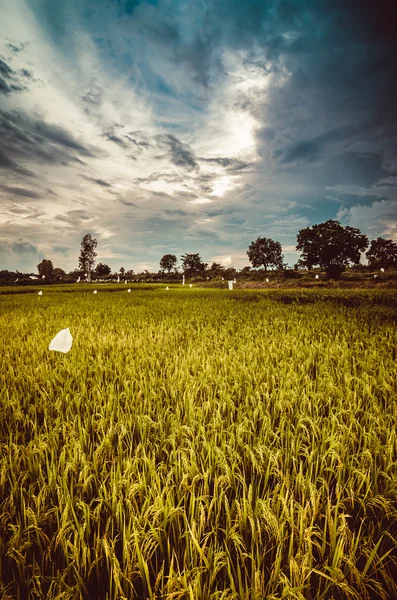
x: 198, y: 444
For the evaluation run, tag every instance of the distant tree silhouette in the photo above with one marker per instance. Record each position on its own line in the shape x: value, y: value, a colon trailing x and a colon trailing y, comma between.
x: 216, y: 270
x: 58, y: 273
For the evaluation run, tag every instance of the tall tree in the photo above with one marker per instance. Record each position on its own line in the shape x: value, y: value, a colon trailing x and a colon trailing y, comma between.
x: 168, y: 262
x: 331, y: 246
x: 45, y: 268
x: 87, y: 254
x: 193, y: 265
x: 382, y: 253
x: 265, y: 252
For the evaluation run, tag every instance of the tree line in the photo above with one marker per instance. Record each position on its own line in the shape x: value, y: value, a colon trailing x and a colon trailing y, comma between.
x: 328, y: 245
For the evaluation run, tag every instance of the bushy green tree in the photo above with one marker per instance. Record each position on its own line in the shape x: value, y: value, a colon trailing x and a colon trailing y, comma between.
x: 168, y: 262
x: 382, y: 253
x: 331, y: 246
x: 59, y: 273
x: 46, y: 268
x: 216, y: 270
x: 265, y: 252
x: 102, y: 269
x: 192, y: 265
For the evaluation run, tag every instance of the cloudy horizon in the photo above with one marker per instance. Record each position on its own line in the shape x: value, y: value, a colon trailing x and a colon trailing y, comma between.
x: 167, y: 126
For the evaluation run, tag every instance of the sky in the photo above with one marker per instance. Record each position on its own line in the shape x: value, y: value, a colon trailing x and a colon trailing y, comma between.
x: 176, y: 126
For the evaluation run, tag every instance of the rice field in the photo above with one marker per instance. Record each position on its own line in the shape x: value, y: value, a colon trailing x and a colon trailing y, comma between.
x: 198, y: 445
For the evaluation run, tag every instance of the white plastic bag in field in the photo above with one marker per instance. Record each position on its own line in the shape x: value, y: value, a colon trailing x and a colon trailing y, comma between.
x: 267, y: 279
x: 95, y: 292
x: 62, y: 342
x: 78, y: 280
x: 40, y: 293
x: 190, y: 285
x: 382, y: 269
x: 128, y: 290
x: 317, y: 276
x: 167, y: 288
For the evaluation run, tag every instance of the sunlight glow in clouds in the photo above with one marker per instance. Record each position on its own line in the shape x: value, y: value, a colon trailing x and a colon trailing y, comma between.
x: 141, y: 126
x: 224, y: 184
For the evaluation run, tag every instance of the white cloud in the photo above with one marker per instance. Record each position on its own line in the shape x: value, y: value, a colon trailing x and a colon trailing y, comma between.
x: 376, y: 219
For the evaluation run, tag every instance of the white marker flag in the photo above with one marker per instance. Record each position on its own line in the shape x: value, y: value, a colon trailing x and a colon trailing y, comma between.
x: 62, y: 342
x: 118, y: 279
x: 78, y: 280
x: 230, y: 284
x: 190, y: 285
x: 267, y: 279
x: 183, y: 280
x: 317, y: 276
x: 128, y: 290
x: 167, y: 288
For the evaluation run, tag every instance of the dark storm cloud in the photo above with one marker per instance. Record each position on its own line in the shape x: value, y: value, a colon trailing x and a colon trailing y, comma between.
x: 60, y: 137
x: 9, y: 80
x: 100, y: 182
x: 311, y: 149
x: 7, y: 164
x: 27, y: 140
x: 18, y: 191
x: 338, y: 98
x: 16, y: 49
x: 21, y: 250
x: 179, y: 153
x: 116, y: 140
x: 142, y: 143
